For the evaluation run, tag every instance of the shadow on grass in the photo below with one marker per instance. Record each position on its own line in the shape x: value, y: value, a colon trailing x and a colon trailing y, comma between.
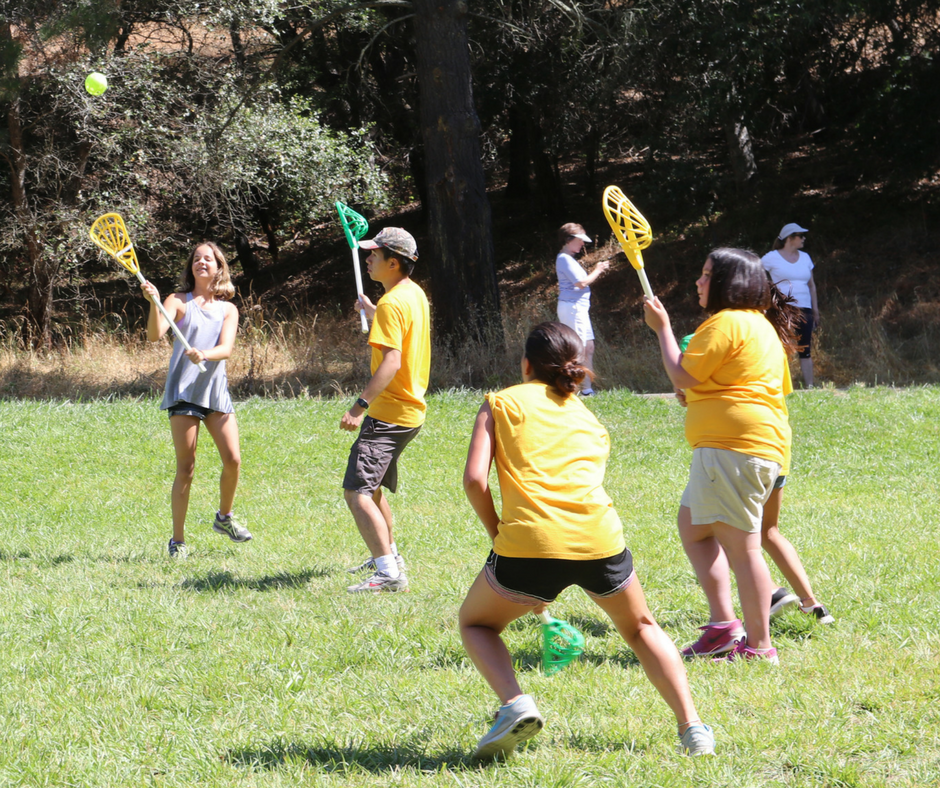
x: 329, y: 757
x: 218, y: 581
x: 25, y: 555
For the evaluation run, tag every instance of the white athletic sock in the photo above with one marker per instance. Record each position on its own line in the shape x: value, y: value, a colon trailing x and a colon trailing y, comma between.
x: 386, y: 565
x: 393, y: 548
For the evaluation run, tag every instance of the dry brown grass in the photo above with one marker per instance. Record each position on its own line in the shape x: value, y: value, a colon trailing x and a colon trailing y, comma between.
x: 322, y: 357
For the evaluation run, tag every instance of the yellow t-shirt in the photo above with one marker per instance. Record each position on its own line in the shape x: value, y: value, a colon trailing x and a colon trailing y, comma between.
x: 739, y: 405
x: 403, y: 322
x: 551, y: 454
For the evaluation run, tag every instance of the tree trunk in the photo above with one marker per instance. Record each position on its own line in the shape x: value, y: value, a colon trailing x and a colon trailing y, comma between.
x: 42, y: 272
x: 461, y: 254
x: 742, y: 154
x: 520, y: 154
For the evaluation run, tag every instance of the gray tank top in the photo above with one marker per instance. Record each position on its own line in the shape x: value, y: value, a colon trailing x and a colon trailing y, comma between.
x: 184, y: 382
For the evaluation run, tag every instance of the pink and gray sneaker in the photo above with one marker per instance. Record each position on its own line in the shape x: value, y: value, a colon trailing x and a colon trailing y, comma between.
x: 715, y: 639
x: 742, y: 650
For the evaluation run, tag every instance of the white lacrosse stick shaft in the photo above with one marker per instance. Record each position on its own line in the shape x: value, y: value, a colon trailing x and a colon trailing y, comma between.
x: 176, y: 330
x: 646, y: 283
x: 362, y: 312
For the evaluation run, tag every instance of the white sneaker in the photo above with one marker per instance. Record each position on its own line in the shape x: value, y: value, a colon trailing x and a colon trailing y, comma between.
x: 697, y: 740
x: 515, y: 723
x: 378, y: 583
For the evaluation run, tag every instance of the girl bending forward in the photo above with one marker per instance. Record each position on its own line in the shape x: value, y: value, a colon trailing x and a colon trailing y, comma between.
x: 558, y: 528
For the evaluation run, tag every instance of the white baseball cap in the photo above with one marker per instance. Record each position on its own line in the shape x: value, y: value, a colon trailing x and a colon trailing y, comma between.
x: 789, y: 229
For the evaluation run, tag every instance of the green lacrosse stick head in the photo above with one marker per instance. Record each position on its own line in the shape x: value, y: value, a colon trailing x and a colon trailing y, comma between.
x: 562, y: 644
x: 355, y: 225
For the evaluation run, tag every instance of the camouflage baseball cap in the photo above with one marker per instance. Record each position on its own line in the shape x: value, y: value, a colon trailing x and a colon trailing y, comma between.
x: 395, y: 240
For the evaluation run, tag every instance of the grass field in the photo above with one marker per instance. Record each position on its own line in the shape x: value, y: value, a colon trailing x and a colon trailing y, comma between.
x: 250, y: 664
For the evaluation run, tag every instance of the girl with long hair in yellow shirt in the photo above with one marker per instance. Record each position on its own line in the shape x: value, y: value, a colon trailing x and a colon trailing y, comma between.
x: 557, y: 528
x: 735, y: 375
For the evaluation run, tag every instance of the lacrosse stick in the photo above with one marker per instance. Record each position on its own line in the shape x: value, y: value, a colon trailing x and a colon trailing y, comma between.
x: 109, y: 233
x: 355, y: 226
x: 562, y: 644
x: 684, y: 342
x: 631, y: 229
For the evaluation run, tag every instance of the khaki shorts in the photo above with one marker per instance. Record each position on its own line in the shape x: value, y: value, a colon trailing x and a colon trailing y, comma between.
x: 729, y: 487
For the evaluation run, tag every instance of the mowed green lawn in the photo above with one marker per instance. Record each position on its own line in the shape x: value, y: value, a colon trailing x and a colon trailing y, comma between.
x: 250, y: 664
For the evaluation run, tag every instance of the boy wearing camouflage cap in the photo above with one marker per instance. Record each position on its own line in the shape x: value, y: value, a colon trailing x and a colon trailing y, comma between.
x: 394, y: 398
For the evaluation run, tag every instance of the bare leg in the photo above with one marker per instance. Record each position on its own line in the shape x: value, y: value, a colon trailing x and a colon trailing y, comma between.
x: 185, y: 431
x: 224, y: 431
x: 710, y: 565
x: 373, y: 518
x: 381, y: 500
x: 754, y: 585
x: 781, y: 551
x: 806, y: 369
x: 656, y: 652
x: 587, y: 385
x: 483, y: 616
x: 589, y: 354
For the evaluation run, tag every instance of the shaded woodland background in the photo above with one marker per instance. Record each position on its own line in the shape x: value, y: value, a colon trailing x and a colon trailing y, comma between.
x: 244, y: 122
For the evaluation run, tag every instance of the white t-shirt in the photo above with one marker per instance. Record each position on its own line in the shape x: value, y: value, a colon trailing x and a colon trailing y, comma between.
x: 792, y: 278
x: 569, y: 273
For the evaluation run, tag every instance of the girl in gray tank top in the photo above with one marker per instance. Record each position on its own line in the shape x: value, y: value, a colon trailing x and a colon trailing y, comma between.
x: 208, y: 320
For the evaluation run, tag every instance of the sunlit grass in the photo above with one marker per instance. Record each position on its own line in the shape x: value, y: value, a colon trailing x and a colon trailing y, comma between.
x: 251, y: 665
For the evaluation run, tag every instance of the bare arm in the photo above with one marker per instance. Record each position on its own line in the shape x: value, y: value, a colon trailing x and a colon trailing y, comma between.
x: 157, y: 325
x: 813, y: 301
x: 363, y: 302
x: 384, y: 374
x: 658, y: 319
x: 476, y: 474
x: 602, y: 266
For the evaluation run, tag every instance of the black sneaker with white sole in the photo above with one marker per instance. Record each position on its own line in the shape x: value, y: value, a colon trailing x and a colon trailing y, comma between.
x: 781, y: 600
x: 819, y: 612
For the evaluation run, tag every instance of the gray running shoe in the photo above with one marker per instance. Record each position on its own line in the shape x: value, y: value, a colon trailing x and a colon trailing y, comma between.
x: 378, y: 583
x: 228, y: 526
x: 697, y: 740
x: 515, y: 723
x: 369, y: 566
x: 782, y: 599
x: 178, y: 549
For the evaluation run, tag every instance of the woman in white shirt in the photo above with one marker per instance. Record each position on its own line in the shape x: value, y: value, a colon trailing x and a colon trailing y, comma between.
x: 574, y: 291
x: 792, y: 272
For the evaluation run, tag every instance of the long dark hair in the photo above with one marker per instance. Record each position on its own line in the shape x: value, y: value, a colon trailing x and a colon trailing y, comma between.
x: 555, y: 353
x: 739, y: 281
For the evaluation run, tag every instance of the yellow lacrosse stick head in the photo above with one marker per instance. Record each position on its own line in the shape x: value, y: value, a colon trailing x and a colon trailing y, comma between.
x: 631, y: 228
x: 109, y: 233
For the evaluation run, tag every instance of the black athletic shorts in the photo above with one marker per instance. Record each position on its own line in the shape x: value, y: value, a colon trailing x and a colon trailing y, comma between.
x: 531, y: 581
x: 805, y: 339
x: 188, y: 409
